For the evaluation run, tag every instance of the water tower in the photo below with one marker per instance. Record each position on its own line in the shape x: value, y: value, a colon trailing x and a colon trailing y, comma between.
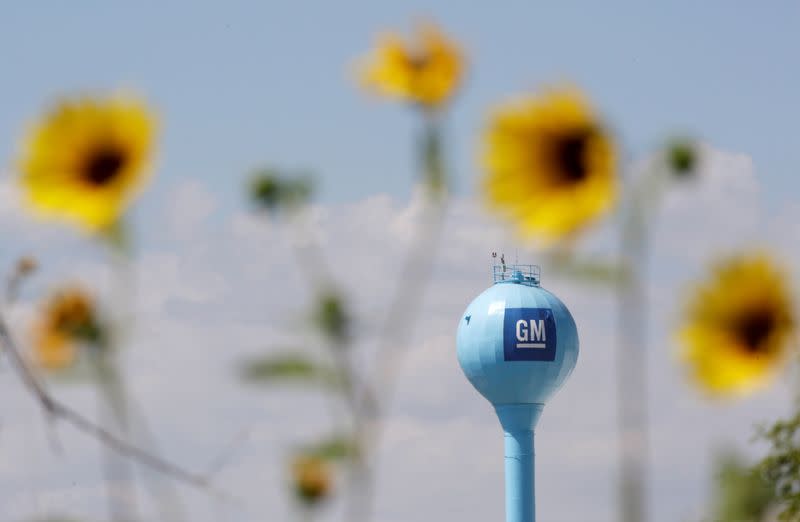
x: 517, y: 344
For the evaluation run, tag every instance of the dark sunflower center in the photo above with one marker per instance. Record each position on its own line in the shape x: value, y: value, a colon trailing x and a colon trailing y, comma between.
x: 570, y: 156
x: 104, y: 165
x: 419, y: 61
x: 754, y: 329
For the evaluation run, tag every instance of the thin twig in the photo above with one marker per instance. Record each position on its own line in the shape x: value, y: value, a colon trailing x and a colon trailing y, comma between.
x: 164, y: 490
x: 59, y: 410
x: 120, y: 253
x: 13, y: 282
x: 112, y: 404
x: 219, y: 462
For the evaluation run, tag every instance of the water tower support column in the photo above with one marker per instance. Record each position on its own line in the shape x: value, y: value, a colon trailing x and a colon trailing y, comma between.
x: 517, y: 343
x: 519, y: 421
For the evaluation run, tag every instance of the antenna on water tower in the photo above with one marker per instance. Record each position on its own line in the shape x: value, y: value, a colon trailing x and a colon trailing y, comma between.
x: 517, y: 344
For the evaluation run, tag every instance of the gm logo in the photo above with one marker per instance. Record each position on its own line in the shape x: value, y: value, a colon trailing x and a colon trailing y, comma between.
x: 529, y: 334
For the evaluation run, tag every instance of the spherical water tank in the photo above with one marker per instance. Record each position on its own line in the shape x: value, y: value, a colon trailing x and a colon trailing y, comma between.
x: 517, y: 343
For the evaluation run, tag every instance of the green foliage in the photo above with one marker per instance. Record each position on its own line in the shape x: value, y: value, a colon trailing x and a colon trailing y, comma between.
x: 742, y: 494
x: 433, y: 171
x: 336, y: 447
x: 682, y: 157
x: 332, y: 318
x: 118, y: 236
x: 272, y: 191
x: 265, y: 189
x: 781, y: 467
x: 289, y: 367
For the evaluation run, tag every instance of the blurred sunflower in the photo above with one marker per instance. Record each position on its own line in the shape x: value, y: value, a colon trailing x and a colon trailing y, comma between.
x: 66, y: 318
x: 87, y: 158
x: 426, y: 71
x: 550, y: 166
x: 312, y: 479
x: 739, y: 325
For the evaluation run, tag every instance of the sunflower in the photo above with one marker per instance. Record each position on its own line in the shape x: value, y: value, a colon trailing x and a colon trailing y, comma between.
x: 426, y: 71
x: 739, y: 326
x: 87, y: 158
x: 549, y: 164
x: 66, y: 318
x: 311, y: 478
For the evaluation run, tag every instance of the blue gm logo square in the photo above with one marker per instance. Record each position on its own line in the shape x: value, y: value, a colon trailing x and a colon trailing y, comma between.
x: 529, y: 334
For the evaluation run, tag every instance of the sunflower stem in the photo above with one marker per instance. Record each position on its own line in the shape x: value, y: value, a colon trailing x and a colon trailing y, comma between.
x: 402, y: 313
x: 112, y: 404
x: 434, y: 174
x: 361, y: 395
x: 122, y: 406
x: 632, y: 390
x: 310, y: 259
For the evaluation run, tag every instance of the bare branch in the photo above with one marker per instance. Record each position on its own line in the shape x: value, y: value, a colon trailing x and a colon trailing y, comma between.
x: 223, y: 458
x: 56, y: 409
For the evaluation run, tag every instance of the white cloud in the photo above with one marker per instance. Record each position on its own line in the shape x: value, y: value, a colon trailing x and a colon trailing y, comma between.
x: 192, y: 203
x: 715, y: 211
x: 208, y: 297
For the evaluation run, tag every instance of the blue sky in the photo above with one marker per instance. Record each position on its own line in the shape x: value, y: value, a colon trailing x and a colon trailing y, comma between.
x: 241, y: 84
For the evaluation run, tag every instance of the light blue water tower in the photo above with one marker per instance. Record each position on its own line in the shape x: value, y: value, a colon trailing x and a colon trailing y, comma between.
x: 517, y: 343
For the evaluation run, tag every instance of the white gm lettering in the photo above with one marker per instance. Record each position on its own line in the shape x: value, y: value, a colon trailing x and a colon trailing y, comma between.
x: 531, y: 330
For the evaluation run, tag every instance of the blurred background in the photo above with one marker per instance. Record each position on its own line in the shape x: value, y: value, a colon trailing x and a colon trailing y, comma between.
x: 245, y: 85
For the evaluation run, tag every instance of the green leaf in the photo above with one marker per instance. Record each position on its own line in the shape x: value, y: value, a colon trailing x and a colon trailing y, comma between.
x: 289, y: 367
x: 336, y: 447
x: 781, y: 467
x: 434, y: 174
x: 266, y: 188
x: 275, y: 191
x: 332, y: 317
x: 741, y: 494
x: 682, y: 156
x: 118, y: 237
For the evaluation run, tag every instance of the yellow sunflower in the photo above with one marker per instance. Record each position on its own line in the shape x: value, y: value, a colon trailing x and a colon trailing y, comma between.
x: 426, y: 71
x: 66, y: 318
x: 550, y: 166
x: 312, y: 479
x: 739, y: 326
x: 87, y: 158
